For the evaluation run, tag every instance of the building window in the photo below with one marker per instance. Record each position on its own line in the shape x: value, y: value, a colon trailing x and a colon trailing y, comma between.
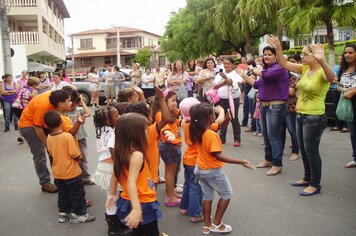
x: 110, y: 60
x: 129, y: 42
x: 302, y: 40
x: 86, y: 43
x: 86, y: 62
x: 346, y: 34
x: 111, y: 43
x: 320, y: 39
x: 162, y: 61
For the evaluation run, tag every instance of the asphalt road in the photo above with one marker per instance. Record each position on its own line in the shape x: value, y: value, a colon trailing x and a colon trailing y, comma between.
x: 261, y: 205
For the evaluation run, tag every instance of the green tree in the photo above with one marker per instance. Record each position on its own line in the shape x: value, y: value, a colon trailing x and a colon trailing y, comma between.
x: 143, y: 57
x: 304, y: 15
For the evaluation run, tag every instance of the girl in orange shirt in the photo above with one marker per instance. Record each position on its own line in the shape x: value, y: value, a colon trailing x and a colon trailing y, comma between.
x: 137, y: 205
x: 208, y: 168
x: 170, y: 149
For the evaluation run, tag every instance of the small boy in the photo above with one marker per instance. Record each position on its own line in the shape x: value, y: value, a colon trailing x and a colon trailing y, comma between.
x: 66, y: 171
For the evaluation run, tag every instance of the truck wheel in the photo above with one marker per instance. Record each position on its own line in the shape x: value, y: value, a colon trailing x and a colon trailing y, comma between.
x: 86, y: 97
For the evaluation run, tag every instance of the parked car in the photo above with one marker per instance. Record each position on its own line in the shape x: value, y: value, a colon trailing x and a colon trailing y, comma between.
x: 83, y: 88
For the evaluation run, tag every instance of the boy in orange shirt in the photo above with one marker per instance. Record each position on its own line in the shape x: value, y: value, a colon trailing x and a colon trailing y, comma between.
x: 66, y: 171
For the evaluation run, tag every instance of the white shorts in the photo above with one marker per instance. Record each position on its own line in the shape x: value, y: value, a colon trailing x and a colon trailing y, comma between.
x: 102, y: 174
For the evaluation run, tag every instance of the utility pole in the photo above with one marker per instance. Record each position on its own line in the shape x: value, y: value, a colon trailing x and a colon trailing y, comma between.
x: 5, y: 33
x: 73, y: 59
x: 118, y: 56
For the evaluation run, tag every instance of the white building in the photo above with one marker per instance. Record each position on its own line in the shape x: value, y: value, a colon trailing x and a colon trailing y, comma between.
x: 38, y: 25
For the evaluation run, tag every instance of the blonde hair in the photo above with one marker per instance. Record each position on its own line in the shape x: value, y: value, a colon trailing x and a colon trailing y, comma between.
x: 33, y: 81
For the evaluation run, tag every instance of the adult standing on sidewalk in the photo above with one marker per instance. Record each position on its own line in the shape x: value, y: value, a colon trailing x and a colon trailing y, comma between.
x: 160, y: 77
x: 33, y: 130
x: 109, y: 85
x: 273, y: 95
x: 312, y: 87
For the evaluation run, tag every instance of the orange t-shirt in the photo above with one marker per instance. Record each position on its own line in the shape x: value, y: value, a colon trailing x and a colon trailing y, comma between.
x: 65, y: 152
x: 191, y: 152
x: 210, y: 143
x: 145, y: 186
x: 33, y: 114
x: 152, y: 152
x: 66, y: 123
x: 158, y: 116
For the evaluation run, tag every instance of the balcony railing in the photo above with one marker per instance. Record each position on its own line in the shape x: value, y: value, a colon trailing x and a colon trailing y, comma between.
x: 21, y: 3
x: 24, y: 37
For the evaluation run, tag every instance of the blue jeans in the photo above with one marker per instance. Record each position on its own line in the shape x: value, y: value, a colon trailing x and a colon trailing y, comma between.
x: 272, y: 118
x: 290, y: 124
x: 213, y: 180
x: 309, y: 131
x: 192, y: 194
x: 352, y: 130
x: 258, y: 125
x: 7, y: 115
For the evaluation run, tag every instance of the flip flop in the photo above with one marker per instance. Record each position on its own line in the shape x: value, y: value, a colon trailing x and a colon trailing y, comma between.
x: 351, y: 164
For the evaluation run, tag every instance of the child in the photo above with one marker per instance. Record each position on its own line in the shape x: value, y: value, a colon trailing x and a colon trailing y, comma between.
x: 131, y: 95
x: 137, y: 205
x: 82, y: 134
x: 257, y: 116
x: 66, y: 172
x: 170, y: 150
x: 208, y: 168
x: 105, y: 119
x: 192, y: 193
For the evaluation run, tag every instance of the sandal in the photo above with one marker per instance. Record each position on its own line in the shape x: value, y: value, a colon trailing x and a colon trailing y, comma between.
x: 205, y: 230
x: 351, y: 164
x: 264, y: 164
x: 335, y: 129
x: 216, y: 228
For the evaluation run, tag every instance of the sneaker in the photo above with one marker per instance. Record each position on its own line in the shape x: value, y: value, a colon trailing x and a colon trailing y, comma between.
x: 49, y: 188
x: 178, y: 189
x: 6, y: 129
x: 20, y: 140
x: 222, y: 228
x: 16, y: 127
x: 75, y: 219
x: 63, y: 217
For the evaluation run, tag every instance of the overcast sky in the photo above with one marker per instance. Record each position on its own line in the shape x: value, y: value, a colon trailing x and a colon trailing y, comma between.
x: 148, y: 15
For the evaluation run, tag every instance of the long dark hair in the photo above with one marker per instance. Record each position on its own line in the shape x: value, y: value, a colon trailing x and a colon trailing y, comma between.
x: 200, y: 119
x: 130, y: 136
x: 206, y: 62
x: 102, y: 117
x: 344, y: 64
x: 191, y: 69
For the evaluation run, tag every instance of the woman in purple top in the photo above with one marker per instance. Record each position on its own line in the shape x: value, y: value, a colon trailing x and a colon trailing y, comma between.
x: 273, y: 90
x: 8, y: 93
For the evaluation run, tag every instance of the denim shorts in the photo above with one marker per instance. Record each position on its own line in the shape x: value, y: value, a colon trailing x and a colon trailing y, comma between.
x: 212, y: 180
x: 170, y: 153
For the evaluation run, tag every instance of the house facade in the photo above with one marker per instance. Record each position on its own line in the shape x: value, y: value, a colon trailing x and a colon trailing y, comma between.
x: 38, y: 27
x: 98, y: 47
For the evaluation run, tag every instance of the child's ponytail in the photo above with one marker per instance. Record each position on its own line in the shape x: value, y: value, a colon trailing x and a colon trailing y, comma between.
x: 201, y: 116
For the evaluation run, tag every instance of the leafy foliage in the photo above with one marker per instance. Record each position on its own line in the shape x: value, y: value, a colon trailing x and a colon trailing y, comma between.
x: 143, y: 57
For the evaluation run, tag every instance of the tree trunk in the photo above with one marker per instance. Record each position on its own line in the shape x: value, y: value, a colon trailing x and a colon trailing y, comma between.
x: 6, y: 39
x: 330, y: 39
x: 248, y: 45
x: 280, y: 33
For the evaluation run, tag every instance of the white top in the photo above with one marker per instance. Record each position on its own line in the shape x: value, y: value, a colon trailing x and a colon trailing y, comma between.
x: 111, y: 143
x: 145, y: 78
x: 59, y: 86
x: 223, y: 91
x: 109, y: 77
x: 102, y: 147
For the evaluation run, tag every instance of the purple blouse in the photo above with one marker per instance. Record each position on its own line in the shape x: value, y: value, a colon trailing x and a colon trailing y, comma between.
x: 274, y: 84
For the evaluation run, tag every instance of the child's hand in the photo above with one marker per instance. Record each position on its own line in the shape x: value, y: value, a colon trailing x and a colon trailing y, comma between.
x: 247, y: 164
x: 110, y: 202
x: 134, y: 218
x: 80, y: 119
x: 169, y: 135
x: 159, y: 93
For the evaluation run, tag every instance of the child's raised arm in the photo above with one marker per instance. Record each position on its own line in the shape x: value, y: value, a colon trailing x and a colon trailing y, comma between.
x: 135, y: 216
x: 166, y: 115
x: 219, y: 156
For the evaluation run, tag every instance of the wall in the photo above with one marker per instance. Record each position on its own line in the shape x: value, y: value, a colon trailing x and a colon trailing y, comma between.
x: 99, y: 43
x: 19, y: 60
x: 1, y: 54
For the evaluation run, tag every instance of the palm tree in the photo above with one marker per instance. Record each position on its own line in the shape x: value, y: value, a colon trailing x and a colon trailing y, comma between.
x: 305, y: 15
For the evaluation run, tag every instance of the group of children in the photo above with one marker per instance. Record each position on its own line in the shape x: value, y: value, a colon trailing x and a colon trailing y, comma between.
x: 132, y: 135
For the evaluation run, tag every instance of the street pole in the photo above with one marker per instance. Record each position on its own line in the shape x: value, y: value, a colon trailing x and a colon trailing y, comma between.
x: 73, y: 59
x: 5, y: 31
x: 118, y: 58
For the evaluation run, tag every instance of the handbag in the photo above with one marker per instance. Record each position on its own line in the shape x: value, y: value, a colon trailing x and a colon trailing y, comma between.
x: 252, y: 93
x: 212, y: 96
x: 182, y: 92
x: 344, y: 110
